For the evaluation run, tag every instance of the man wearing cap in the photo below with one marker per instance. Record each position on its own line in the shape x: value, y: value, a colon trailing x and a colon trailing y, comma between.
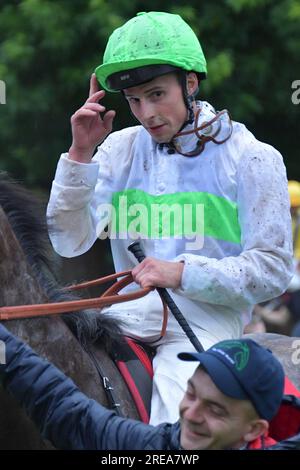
x: 236, y: 391
x: 208, y: 199
x: 230, y: 399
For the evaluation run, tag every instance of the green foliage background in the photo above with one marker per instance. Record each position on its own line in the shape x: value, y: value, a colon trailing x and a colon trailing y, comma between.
x: 48, y: 50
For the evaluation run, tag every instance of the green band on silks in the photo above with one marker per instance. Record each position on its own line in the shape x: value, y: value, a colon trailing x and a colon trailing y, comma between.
x: 175, y: 215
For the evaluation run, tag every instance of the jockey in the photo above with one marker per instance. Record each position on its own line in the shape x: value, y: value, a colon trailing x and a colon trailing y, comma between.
x: 234, y: 394
x: 208, y: 199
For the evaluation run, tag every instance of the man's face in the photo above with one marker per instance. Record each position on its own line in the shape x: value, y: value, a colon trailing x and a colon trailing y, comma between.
x: 211, y: 420
x: 159, y: 107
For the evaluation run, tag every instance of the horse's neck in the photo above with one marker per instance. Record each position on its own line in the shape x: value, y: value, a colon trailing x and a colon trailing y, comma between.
x: 18, y: 285
x: 48, y: 336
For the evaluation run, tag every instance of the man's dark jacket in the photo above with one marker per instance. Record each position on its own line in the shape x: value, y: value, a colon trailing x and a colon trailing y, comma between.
x: 67, y: 417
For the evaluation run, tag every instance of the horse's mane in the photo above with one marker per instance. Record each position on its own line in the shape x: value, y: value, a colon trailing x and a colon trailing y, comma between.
x: 27, y: 220
x: 26, y: 216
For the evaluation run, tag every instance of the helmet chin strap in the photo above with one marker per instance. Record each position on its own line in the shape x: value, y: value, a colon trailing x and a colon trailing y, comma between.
x: 193, y: 114
x: 206, y: 131
x: 189, y: 100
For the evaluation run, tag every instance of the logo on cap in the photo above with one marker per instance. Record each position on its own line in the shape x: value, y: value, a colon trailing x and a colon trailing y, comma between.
x: 239, y: 358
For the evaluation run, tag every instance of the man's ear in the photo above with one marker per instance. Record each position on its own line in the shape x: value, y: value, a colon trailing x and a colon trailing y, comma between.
x: 192, y: 83
x: 256, y: 428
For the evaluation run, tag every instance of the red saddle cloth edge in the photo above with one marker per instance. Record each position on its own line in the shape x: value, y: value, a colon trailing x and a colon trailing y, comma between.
x: 136, y: 369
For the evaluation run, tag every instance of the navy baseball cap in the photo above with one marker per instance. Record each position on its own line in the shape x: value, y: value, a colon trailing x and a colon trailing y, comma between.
x: 244, y: 370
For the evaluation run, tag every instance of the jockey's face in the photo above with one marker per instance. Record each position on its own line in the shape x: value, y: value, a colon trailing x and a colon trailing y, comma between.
x: 211, y: 420
x: 159, y: 106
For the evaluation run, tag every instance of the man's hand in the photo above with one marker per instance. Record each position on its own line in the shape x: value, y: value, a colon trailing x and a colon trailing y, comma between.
x: 156, y: 273
x: 88, y: 127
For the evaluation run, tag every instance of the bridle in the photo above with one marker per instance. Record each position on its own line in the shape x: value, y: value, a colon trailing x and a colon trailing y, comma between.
x: 109, y: 297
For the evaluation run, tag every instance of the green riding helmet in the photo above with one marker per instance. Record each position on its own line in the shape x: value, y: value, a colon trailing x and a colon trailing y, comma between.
x: 149, y: 45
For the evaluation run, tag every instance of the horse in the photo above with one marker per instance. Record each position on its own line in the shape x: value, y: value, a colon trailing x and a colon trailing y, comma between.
x: 27, y: 276
x: 77, y: 343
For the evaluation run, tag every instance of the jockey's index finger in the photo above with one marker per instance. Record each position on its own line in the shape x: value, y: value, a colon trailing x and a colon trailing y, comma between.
x: 94, y: 87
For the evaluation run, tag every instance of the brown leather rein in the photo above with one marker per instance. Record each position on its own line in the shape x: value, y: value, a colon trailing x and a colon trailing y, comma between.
x: 109, y: 297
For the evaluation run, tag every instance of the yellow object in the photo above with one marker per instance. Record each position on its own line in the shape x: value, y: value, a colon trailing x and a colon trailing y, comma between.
x: 296, y: 234
x: 294, y: 192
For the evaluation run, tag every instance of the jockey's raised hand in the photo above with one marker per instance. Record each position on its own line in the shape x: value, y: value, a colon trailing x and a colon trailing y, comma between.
x: 89, y: 127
